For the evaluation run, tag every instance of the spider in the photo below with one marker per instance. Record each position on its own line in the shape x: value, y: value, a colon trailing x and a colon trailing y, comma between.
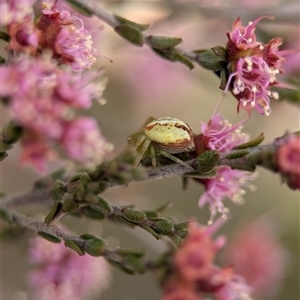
x: 163, y: 136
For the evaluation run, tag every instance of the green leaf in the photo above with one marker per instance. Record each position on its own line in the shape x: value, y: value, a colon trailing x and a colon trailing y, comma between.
x: 163, y: 226
x: 163, y: 42
x: 56, y: 208
x: 5, y: 215
x: 92, y: 212
x: 206, y: 161
x: 49, y: 237
x: 131, y: 34
x: 208, y: 59
x: 57, y: 190
x: 74, y: 246
x: 104, y: 205
x: 132, y: 252
x: 4, y: 36
x: 133, y: 215
x: 253, y: 143
x: 151, y: 231
x: 70, y: 205
x: 173, y: 54
x: 237, y: 154
x: 94, y: 246
x: 141, y: 27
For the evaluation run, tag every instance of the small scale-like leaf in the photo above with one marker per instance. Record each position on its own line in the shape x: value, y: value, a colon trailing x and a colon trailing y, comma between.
x: 253, y: 143
x: 131, y: 34
x: 56, y: 208
x: 141, y: 27
x: 163, y: 42
x: 237, y: 154
x: 74, y: 246
x: 49, y: 237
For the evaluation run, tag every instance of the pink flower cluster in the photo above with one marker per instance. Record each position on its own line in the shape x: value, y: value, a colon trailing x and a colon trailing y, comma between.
x: 218, y: 134
x: 253, y: 67
x: 267, y: 267
x: 195, y: 273
x: 42, y: 99
x: 60, y: 274
x: 56, y: 31
x: 288, y: 160
x: 43, y: 84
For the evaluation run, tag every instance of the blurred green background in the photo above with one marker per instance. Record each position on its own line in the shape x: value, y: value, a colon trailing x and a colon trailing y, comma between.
x: 142, y: 85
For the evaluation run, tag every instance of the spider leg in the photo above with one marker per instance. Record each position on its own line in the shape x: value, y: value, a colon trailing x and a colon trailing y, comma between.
x: 175, y: 159
x: 141, y: 149
x: 153, y: 156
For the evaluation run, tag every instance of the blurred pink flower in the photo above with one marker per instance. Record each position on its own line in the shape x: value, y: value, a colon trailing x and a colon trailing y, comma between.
x: 218, y: 134
x: 194, y: 258
x: 41, y: 99
x: 83, y: 141
x: 195, y: 273
x: 253, y: 67
x: 15, y: 11
x: 36, y: 151
x: 288, y: 160
x: 60, y: 273
x: 256, y: 253
x: 66, y: 37
x: 176, y: 289
x: 41, y: 95
x: 24, y: 37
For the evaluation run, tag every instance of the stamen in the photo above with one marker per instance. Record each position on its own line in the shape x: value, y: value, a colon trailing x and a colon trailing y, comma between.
x: 275, y: 95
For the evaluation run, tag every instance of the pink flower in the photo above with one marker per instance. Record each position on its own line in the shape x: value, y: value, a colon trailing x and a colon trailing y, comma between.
x: 41, y: 95
x: 243, y: 37
x: 36, y: 151
x: 194, y: 258
x: 266, y: 268
x: 227, y: 183
x: 14, y: 11
x: 66, y: 36
x: 218, y: 134
x: 253, y: 67
x: 235, y: 289
x: 61, y: 274
x: 195, y: 273
x: 175, y: 289
x: 288, y: 160
x: 41, y: 99
x: 24, y: 37
x: 83, y: 141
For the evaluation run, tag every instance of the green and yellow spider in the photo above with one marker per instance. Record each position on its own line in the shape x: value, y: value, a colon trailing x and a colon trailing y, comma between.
x: 163, y: 136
